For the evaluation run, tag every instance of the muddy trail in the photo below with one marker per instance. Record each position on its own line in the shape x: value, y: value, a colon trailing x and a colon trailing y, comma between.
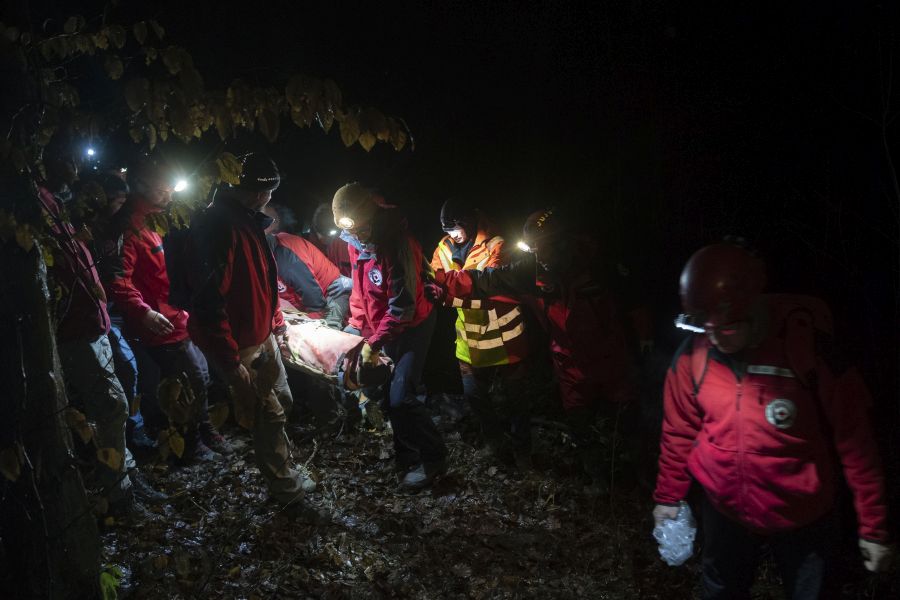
x: 484, y: 530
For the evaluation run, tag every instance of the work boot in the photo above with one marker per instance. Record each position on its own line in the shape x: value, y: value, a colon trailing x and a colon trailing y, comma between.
x: 423, y: 476
x: 214, y: 440
x: 142, y: 489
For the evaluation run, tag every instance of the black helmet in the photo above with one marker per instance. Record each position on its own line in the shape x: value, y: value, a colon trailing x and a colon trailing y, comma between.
x: 543, y: 228
x: 458, y: 212
x: 259, y: 173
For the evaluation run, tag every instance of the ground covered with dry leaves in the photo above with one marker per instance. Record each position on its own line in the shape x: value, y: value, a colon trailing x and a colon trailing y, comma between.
x: 483, y: 531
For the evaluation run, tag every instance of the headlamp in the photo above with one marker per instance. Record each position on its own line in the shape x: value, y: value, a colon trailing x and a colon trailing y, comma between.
x: 332, y: 232
x: 91, y: 152
x: 687, y: 322
x: 181, y: 185
x: 346, y: 223
x: 521, y: 245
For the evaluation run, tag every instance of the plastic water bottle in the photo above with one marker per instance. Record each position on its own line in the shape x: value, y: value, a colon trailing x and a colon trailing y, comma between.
x: 676, y: 536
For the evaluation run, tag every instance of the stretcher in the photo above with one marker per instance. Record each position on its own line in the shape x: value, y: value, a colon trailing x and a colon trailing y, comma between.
x: 330, y: 354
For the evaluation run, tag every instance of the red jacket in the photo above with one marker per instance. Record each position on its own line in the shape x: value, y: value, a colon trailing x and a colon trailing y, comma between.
x: 388, y: 282
x: 233, y: 281
x: 590, y: 315
x: 139, y: 281
x: 336, y: 251
x: 762, y: 445
x: 81, y: 311
x: 304, y: 273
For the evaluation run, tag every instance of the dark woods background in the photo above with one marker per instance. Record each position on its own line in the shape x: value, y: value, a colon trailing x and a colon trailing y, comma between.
x: 661, y: 125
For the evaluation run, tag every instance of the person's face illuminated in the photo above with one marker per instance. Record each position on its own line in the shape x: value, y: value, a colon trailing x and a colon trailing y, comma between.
x: 458, y: 235
x: 158, y: 194
x: 361, y: 231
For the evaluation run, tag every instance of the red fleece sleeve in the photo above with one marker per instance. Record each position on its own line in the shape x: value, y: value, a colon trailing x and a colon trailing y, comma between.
x: 681, y: 424
x: 122, y: 290
x: 848, y: 402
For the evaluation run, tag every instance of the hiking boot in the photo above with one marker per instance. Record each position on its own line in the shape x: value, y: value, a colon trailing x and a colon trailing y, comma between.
x: 423, y: 476
x: 130, y: 508
x: 214, y: 440
x: 142, y: 489
x: 307, y: 483
x: 197, y: 452
x: 139, y: 442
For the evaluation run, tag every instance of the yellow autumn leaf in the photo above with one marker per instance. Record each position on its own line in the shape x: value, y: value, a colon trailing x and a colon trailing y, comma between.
x: 367, y: 140
x: 349, y: 130
x: 218, y: 414
x: 110, y: 457
x: 137, y: 93
x: 176, y: 443
x: 78, y: 423
x: 10, y: 466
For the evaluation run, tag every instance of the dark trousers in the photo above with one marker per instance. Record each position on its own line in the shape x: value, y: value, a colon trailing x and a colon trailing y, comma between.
x: 416, y: 439
x: 731, y: 554
x: 184, y: 357
x: 499, y: 400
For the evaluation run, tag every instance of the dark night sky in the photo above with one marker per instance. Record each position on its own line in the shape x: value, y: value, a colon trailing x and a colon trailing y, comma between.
x: 663, y: 125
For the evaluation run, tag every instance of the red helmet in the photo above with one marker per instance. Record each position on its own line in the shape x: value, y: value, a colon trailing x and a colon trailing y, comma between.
x: 720, y: 282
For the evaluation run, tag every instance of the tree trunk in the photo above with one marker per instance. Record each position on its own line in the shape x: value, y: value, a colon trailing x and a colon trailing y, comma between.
x: 47, y: 525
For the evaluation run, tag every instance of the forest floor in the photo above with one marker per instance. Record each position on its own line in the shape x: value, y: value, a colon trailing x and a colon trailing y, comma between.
x: 483, y: 531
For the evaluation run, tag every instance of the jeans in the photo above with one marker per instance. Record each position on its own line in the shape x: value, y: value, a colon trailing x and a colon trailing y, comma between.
x: 731, y: 553
x: 93, y: 387
x: 498, y: 398
x: 126, y: 371
x: 184, y: 357
x: 416, y: 439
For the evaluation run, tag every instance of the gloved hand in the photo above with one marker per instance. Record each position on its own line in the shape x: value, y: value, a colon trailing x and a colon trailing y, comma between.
x: 661, y: 513
x: 435, y: 293
x: 369, y: 355
x: 341, y: 285
x: 876, y: 557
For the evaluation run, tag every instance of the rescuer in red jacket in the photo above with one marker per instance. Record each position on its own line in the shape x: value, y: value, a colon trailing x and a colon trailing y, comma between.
x: 326, y: 237
x: 588, y: 307
x: 756, y: 411
x: 388, y: 308
x: 307, y: 280
x: 233, y: 302
x: 139, y: 287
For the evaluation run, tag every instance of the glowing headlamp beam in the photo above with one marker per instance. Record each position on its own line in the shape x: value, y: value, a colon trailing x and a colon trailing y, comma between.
x: 681, y: 322
x: 181, y: 185
x: 521, y: 245
x: 345, y: 223
x: 91, y: 152
x: 332, y: 232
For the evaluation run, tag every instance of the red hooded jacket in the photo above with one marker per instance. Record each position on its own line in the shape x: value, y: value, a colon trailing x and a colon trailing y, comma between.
x: 388, y: 281
x: 762, y: 445
x: 232, y: 279
x: 140, y: 282
x: 81, y: 312
x: 304, y: 273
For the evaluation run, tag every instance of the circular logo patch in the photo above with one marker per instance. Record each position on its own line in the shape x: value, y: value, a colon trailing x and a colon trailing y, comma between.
x: 375, y: 276
x: 781, y: 412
